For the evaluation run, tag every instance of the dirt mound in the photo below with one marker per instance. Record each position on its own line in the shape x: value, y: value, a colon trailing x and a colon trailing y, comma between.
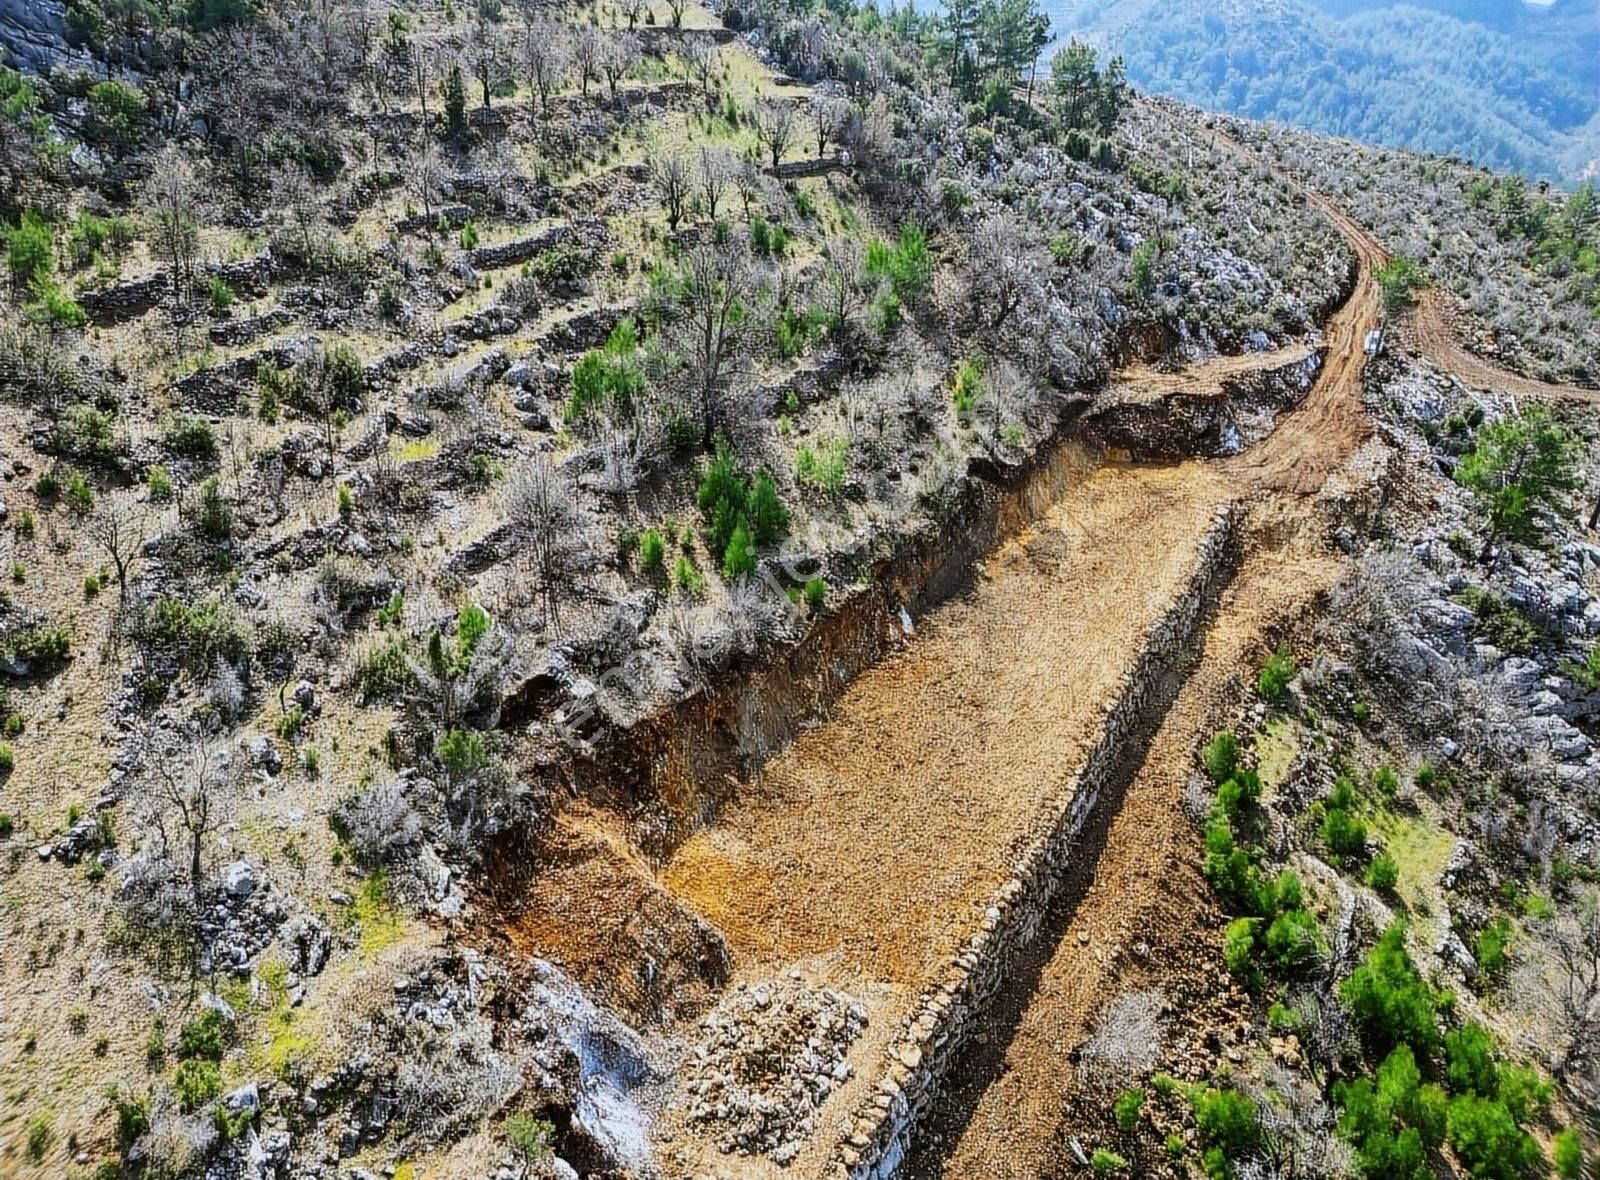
x: 595, y: 909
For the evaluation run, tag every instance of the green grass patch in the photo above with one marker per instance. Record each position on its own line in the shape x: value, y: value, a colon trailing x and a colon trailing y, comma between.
x: 1277, y: 746
x: 1420, y: 850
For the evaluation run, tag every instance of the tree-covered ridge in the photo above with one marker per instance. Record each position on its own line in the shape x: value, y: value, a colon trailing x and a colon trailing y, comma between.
x: 1403, y: 76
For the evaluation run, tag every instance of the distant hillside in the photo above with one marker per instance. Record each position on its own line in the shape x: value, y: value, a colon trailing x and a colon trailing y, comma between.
x: 1514, y: 87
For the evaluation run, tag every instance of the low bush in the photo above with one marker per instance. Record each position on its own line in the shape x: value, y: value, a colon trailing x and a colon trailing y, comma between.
x: 1383, y: 874
x: 1275, y: 675
x: 1221, y: 756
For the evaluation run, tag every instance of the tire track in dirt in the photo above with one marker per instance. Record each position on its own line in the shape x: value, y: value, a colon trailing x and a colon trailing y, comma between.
x: 1428, y: 330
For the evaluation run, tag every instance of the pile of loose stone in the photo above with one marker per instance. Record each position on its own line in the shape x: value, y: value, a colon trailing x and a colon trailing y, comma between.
x: 770, y: 1055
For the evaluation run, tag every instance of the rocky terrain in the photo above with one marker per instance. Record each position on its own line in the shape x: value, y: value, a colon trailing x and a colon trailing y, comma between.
x: 639, y: 590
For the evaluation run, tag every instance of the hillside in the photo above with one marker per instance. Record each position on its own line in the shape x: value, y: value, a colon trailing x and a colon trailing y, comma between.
x: 1508, y: 86
x: 646, y: 591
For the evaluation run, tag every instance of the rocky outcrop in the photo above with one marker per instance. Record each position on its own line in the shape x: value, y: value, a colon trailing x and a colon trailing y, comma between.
x: 33, y: 35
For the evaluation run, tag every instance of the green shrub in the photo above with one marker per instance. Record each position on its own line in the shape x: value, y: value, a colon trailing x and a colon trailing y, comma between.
x: 30, y: 251
x: 823, y: 467
x: 652, y: 550
x: 1221, y: 756
x: 1525, y: 1092
x: 1231, y: 870
x: 383, y: 671
x: 204, y: 1038
x: 1383, y: 874
x: 1237, y: 793
x: 196, y: 1082
x: 1275, y: 675
x: 160, y: 482
x: 220, y: 294
x: 1567, y: 1151
x: 8, y: 759
x: 1386, y: 782
x: 1239, y: 947
x: 1292, y: 940
x: 1226, y: 1120
x: 42, y: 648
x: 816, y: 593
x: 1399, y: 279
x: 1345, y: 836
x: 1490, y: 948
x: 533, y: 1139
x: 1424, y: 776
x: 1391, y: 1003
x: 40, y: 1130
x: 611, y: 377
x: 906, y: 266
x: 729, y: 502
x: 1126, y: 1108
x: 1104, y: 1162
x: 52, y: 305
x: 686, y: 577
x: 191, y: 438
x: 133, y: 1116
x: 80, y: 496
x: 216, y: 518
x: 1487, y: 1140
x: 1500, y: 622
x: 198, y: 636
x: 739, y: 558
x: 967, y: 385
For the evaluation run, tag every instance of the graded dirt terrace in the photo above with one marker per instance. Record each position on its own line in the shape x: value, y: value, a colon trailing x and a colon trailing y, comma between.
x: 863, y: 854
x: 1131, y: 917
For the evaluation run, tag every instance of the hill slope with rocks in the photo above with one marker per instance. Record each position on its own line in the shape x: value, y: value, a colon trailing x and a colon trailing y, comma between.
x: 639, y: 591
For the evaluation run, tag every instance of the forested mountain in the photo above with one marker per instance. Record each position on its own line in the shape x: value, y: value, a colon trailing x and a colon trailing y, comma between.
x: 1506, y: 84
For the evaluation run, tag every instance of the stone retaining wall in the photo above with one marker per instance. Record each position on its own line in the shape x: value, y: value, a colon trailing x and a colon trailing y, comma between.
x: 933, y: 1040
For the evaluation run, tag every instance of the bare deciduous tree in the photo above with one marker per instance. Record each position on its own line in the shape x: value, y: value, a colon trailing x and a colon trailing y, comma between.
x: 488, y: 57
x: 1005, y: 270
x: 294, y: 197
x: 670, y: 172
x: 427, y: 177
x: 829, y: 116
x: 748, y: 180
x: 702, y: 60
x: 543, y: 504
x: 587, y: 48
x: 546, y: 57
x: 843, y: 266
x: 712, y: 323
x: 118, y: 526
x: 185, y: 789
x: 715, y: 170
x: 618, y: 55
x: 777, y: 126
x: 172, y: 203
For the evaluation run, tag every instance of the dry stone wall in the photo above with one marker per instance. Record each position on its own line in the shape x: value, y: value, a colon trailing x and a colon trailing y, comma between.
x: 934, y: 1038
